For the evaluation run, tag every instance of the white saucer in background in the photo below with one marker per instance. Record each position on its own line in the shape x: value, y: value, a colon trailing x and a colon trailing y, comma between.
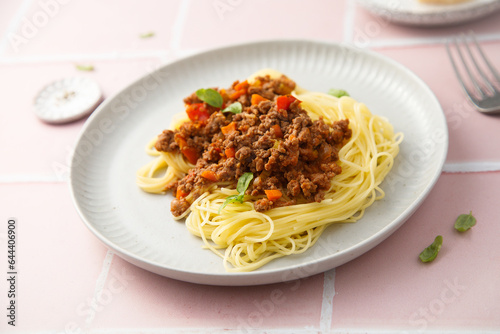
x: 413, y: 12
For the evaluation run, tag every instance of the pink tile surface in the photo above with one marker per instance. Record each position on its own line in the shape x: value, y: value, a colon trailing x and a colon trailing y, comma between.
x: 390, y: 288
x: 70, y: 283
x: 163, y: 302
x: 50, y: 146
x: 8, y: 12
x: 224, y: 23
x: 59, y: 260
x: 83, y: 27
x: 464, y: 122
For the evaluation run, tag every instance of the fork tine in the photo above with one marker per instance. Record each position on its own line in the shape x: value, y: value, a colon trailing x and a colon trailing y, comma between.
x: 467, y: 69
x: 455, y: 68
x: 486, y: 81
x: 486, y: 60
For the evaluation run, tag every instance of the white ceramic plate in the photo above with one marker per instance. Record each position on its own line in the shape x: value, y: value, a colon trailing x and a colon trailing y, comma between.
x: 412, y: 12
x: 139, y: 226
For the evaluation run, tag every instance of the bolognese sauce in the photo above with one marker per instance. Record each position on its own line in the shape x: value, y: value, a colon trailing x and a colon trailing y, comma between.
x: 292, y: 157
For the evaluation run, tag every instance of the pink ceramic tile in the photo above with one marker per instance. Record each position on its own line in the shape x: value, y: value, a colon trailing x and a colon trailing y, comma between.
x: 76, y: 27
x: 151, y: 301
x: 369, y: 28
x: 49, y: 146
x: 466, y: 126
x: 59, y: 260
x: 8, y: 10
x: 213, y: 23
x: 389, y: 287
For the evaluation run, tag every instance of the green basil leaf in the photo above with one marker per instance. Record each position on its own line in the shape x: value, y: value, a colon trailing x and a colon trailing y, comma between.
x: 231, y: 199
x: 244, y: 182
x: 147, y: 34
x: 210, y: 96
x: 338, y: 92
x: 235, y: 108
x: 465, y: 222
x: 87, y: 68
x: 432, y: 251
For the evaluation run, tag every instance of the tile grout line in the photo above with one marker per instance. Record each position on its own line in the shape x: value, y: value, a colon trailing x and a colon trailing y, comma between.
x: 163, y: 54
x: 14, y: 23
x: 191, y: 330
x: 101, y: 281
x: 422, y: 41
x: 362, y: 330
x: 30, y: 178
x: 325, y: 321
x: 178, y: 26
x: 83, y: 56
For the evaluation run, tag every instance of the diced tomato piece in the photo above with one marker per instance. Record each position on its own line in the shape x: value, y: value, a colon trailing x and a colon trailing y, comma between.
x: 237, y: 94
x: 180, y: 193
x: 209, y: 175
x: 284, y: 101
x: 256, y: 99
x: 180, y: 140
x: 277, y: 131
x: 273, y: 194
x: 242, y: 85
x: 190, y: 153
x: 197, y: 112
x: 231, y: 127
x: 230, y: 152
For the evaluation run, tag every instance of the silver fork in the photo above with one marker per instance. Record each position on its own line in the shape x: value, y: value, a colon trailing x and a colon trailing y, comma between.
x: 485, y: 94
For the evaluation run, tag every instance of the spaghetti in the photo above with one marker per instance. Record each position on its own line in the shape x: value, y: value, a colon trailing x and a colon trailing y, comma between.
x: 247, y: 238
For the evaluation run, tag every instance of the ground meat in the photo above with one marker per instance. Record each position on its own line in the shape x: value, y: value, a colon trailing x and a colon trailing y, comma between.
x: 320, y: 180
x: 263, y: 205
x: 166, y: 142
x: 244, y: 154
x: 284, y: 149
x: 227, y: 169
x: 293, y: 187
x: 215, y: 122
x: 178, y: 206
x: 270, y: 88
x: 193, y: 98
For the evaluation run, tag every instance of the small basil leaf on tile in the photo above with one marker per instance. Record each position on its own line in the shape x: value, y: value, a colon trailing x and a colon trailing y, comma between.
x: 465, y: 222
x: 430, y: 253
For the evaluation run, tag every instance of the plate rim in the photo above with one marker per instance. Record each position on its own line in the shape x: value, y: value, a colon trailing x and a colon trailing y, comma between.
x: 267, y: 276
